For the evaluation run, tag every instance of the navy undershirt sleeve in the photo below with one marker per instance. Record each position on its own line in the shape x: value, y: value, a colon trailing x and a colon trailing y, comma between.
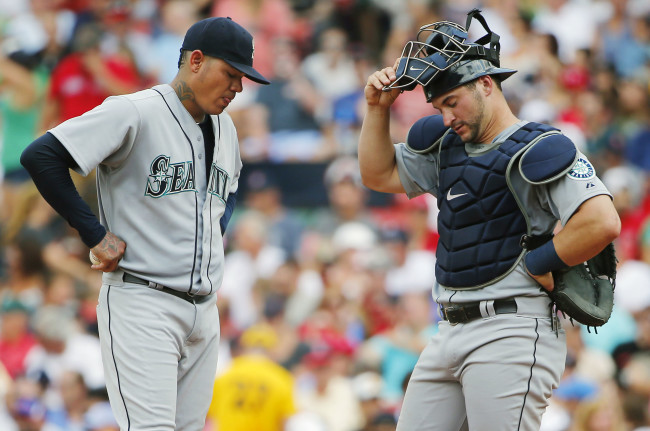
x: 230, y: 207
x: 49, y: 163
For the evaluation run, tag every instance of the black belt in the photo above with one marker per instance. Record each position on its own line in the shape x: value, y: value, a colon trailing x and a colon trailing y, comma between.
x: 463, y: 313
x: 130, y: 278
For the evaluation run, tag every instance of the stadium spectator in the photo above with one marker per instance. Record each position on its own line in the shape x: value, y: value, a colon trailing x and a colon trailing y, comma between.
x: 263, y: 194
x: 84, y: 78
x: 286, y: 113
x: 15, y: 338
x: 22, y: 92
x: 348, y: 198
x: 324, y: 389
x: 176, y: 17
x: 250, y: 261
x: 254, y: 393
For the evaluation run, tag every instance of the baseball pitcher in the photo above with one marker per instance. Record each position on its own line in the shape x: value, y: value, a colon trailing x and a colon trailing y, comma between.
x: 168, y: 165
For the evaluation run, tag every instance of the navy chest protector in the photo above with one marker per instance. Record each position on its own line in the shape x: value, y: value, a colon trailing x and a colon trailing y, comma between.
x: 480, y: 222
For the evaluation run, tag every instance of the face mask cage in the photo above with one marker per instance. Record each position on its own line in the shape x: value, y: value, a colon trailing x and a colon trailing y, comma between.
x: 420, y: 62
x: 439, y: 47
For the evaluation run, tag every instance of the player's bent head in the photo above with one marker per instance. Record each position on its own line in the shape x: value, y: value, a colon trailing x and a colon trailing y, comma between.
x: 224, y: 39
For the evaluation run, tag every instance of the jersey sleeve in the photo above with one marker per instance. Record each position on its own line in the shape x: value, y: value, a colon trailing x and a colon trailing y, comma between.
x: 103, y: 135
x: 577, y: 186
x: 418, y: 173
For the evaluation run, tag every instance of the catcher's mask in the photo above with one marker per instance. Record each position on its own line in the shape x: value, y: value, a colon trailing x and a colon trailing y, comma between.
x: 445, y: 60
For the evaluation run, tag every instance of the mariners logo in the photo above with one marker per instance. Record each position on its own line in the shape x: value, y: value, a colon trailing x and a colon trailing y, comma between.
x: 167, y: 178
x: 582, y: 170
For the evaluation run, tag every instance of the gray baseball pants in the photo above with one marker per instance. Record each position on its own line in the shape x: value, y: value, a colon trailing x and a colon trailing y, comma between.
x: 493, y: 373
x: 159, y: 354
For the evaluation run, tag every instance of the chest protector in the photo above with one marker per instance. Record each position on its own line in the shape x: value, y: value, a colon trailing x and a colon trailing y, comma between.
x: 480, y: 223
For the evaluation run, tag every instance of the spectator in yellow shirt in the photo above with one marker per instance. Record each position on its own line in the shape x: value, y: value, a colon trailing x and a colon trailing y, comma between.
x: 254, y: 393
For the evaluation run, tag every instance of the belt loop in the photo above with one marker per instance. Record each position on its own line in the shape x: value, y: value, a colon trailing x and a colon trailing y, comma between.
x: 487, y: 308
x: 156, y: 286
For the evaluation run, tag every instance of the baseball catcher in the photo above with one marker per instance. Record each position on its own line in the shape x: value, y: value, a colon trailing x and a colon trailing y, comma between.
x: 502, y: 184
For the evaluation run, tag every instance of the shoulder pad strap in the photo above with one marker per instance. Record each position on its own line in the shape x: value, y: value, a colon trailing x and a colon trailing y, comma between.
x: 425, y: 135
x: 547, y: 158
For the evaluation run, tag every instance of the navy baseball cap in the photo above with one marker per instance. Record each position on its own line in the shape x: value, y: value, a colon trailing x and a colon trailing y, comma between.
x: 225, y: 39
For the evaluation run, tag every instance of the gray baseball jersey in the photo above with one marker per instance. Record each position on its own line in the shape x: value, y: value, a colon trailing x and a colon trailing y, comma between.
x: 159, y: 351
x: 149, y: 154
x: 499, y: 371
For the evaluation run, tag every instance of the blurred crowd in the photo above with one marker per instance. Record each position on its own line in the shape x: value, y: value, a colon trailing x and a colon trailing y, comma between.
x: 324, y: 309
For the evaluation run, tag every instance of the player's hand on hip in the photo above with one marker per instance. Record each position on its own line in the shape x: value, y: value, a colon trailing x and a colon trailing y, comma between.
x: 374, y: 91
x: 544, y: 280
x: 108, y: 252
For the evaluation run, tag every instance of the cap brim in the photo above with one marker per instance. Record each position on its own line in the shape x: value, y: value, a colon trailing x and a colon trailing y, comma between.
x: 503, y: 72
x: 249, y: 72
x: 458, y: 76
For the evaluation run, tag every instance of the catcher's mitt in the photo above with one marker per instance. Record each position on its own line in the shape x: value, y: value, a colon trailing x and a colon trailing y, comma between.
x: 585, y: 292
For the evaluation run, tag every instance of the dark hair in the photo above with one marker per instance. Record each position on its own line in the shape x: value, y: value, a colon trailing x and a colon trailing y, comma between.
x: 31, y: 255
x: 497, y: 81
x: 495, y: 78
x: 28, y: 61
x: 87, y: 36
x: 553, y: 44
x: 182, y: 58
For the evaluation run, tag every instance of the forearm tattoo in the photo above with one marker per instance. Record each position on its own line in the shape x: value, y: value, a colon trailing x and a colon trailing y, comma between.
x: 110, y: 245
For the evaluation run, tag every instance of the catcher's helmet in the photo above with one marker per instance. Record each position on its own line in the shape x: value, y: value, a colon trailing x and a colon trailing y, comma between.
x: 445, y: 60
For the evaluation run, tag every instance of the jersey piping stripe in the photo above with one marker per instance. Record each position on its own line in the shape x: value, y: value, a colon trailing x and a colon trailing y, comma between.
x: 210, y: 253
x: 530, y: 377
x: 196, y: 202
x: 212, y: 224
x: 117, y: 373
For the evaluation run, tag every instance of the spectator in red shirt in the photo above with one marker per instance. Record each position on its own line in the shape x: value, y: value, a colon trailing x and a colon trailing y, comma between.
x: 625, y: 183
x: 15, y: 339
x: 84, y: 78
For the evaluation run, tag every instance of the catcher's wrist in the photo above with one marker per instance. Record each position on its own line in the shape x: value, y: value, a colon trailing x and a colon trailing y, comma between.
x: 543, y: 259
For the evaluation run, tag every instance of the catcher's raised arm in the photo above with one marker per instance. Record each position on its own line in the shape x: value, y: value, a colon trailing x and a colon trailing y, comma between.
x: 376, y: 153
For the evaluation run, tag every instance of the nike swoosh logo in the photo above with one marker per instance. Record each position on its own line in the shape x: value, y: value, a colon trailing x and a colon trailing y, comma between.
x: 450, y: 196
x: 416, y: 69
